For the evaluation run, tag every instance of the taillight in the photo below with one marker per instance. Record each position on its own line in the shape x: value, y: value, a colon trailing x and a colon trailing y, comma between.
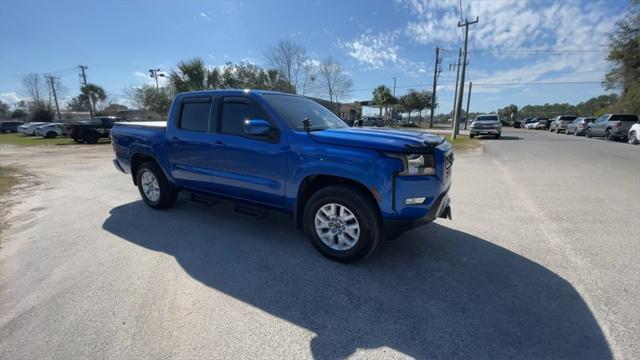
x: 619, y: 125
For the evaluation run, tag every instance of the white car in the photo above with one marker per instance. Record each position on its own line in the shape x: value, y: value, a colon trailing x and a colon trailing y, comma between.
x: 50, y: 130
x: 486, y: 125
x: 29, y: 128
x: 634, y: 134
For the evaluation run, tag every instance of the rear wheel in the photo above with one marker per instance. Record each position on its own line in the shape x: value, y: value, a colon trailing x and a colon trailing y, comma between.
x: 91, y: 137
x: 633, y: 138
x: 342, y: 223
x: 154, y: 186
x: 589, y: 135
x: 51, y: 134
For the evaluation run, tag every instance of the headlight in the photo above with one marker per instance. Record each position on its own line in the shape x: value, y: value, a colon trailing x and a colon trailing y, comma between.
x: 416, y: 164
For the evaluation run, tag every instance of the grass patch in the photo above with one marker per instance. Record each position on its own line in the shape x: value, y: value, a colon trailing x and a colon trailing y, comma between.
x: 23, y: 140
x: 8, y: 178
x: 463, y: 142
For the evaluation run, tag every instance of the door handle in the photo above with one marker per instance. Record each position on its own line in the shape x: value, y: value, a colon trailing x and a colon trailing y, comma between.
x: 219, y: 144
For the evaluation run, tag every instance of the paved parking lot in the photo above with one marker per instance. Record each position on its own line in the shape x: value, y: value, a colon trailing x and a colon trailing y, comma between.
x: 539, y: 261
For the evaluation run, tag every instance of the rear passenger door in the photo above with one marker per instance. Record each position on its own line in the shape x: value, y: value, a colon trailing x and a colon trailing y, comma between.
x: 598, y: 126
x: 247, y: 167
x: 189, y: 143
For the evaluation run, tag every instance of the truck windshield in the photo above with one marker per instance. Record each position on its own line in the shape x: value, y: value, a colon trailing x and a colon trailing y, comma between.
x: 487, y: 118
x: 294, y: 109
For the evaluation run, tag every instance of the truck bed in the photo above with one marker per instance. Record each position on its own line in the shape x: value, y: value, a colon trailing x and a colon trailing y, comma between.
x: 154, y: 124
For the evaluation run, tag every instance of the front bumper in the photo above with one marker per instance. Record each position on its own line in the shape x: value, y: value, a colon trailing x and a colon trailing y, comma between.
x: 441, y: 208
x: 484, y: 131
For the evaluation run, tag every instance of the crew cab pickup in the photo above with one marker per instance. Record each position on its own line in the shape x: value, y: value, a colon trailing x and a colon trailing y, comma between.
x: 347, y: 187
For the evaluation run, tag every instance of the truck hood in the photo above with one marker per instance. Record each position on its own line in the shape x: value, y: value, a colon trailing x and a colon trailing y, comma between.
x: 384, y: 139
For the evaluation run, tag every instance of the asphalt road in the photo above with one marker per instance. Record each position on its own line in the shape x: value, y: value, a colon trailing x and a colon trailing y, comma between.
x: 539, y: 261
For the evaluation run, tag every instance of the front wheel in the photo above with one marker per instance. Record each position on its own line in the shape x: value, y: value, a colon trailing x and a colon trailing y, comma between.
x: 589, y: 135
x: 471, y: 136
x: 342, y: 223
x: 51, y: 135
x: 91, y: 138
x: 497, y: 136
x: 633, y: 139
x: 607, y: 135
x: 154, y: 186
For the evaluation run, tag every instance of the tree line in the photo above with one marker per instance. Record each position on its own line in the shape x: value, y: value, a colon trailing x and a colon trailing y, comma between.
x: 289, y: 70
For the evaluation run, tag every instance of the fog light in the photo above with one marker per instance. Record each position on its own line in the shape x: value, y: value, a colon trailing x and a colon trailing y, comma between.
x: 414, y: 201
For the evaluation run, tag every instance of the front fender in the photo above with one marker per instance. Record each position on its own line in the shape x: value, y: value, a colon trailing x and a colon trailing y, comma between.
x: 366, y: 167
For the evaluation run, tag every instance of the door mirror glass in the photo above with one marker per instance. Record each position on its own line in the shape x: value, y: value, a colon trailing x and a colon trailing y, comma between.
x: 256, y: 127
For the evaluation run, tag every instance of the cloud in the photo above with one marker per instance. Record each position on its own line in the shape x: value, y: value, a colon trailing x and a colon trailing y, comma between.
x: 373, y: 51
x: 205, y: 16
x: 11, y: 98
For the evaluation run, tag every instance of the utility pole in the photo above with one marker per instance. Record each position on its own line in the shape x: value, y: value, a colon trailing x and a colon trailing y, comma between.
x: 394, y: 86
x: 53, y: 90
x: 458, y: 108
x: 436, y: 73
x: 466, y: 118
x: 84, y: 83
x: 455, y: 93
x: 155, y: 73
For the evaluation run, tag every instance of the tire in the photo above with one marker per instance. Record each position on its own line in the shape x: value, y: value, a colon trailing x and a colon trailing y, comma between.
x: 91, y: 137
x: 497, y: 136
x: 588, y: 134
x: 607, y: 135
x: 471, y: 136
x: 576, y: 133
x: 358, y: 206
x: 51, y: 135
x: 166, y: 195
x: 557, y: 131
x: 79, y: 141
x: 633, y: 138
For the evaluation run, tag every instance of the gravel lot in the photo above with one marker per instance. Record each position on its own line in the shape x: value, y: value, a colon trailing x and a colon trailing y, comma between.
x: 540, y: 261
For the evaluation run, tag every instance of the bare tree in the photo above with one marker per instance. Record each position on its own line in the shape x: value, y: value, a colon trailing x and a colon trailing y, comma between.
x: 335, y: 83
x: 288, y: 58
x: 35, y: 86
x: 309, y: 81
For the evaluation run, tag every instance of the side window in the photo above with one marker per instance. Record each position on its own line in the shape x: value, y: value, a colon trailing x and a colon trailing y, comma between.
x: 195, y: 115
x: 235, y: 112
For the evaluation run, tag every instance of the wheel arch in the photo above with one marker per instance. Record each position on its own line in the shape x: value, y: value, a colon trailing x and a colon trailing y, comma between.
x: 313, y: 183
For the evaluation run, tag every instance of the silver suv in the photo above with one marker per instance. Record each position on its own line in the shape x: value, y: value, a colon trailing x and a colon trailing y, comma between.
x: 560, y: 123
x: 486, y: 125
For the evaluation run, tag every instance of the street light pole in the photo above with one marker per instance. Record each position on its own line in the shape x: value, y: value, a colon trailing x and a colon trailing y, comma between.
x: 155, y: 73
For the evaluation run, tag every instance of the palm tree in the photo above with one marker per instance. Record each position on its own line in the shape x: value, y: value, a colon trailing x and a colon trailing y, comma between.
x: 193, y: 75
x: 382, y: 97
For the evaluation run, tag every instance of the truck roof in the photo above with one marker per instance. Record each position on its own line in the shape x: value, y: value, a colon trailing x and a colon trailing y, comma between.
x: 234, y: 91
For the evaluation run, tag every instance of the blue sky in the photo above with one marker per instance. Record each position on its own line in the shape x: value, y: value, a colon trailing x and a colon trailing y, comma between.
x: 515, y: 42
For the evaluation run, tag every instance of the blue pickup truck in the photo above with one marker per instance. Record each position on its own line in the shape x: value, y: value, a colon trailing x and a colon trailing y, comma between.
x: 347, y: 187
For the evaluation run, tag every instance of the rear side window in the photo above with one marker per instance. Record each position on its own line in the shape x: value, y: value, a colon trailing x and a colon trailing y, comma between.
x: 624, y: 118
x: 235, y: 112
x: 195, y: 115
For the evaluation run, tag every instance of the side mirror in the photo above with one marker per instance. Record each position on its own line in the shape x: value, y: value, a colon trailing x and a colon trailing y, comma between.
x: 257, y: 127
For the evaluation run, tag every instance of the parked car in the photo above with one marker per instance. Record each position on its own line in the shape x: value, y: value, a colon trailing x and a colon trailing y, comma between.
x: 612, y: 126
x: 559, y: 123
x: 579, y: 126
x: 92, y: 130
x: 486, y: 125
x: 520, y: 123
x: 51, y: 130
x: 542, y: 123
x: 29, y: 128
x: 345, y: 186
x: 530, y: 123
x: 9, y: 126
x: 634, y: 134
x: 377, y: 121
